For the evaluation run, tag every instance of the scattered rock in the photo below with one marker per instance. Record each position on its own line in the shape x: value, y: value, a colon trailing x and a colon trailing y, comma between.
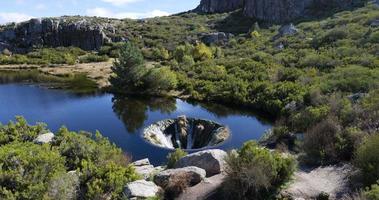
x: 356, y: 97
x: 375, y: 23
x: 44, y: 138
x: 195, y: 175
x: 142, y: 162
x: 212, y: 161
x: 215, y: 38
x: 287, y: 30
x: 310, y: 183
x: 145, y: 169
x: 141, y: 189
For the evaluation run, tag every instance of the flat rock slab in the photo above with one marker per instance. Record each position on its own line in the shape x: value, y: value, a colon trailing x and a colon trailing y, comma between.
x: 204, y: 189
x: 309, y: 183
x: 141, y: 189
x: 212, y: 161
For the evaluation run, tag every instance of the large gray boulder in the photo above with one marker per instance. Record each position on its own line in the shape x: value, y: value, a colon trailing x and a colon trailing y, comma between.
x: 194, y: 174
x: 44, y: 138
x: 141, y: 189
x: 212, y: 161
x: 215, y: 38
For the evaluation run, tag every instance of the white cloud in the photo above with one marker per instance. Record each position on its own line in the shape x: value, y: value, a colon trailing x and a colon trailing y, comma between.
x: 102, y: 12
x: 6, y: 17
x: 120, y: 2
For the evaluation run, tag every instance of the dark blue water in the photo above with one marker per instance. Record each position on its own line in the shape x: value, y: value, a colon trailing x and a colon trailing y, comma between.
x: 122, y: 120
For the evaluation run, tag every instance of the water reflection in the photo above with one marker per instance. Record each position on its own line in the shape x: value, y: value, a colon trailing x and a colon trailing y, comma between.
x: 133, y: 112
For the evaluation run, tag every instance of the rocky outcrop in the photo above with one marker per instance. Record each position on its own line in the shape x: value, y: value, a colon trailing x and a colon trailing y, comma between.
x: 194, y: 175
x: 277, y: 11
x: 281, y: 11
x: 141, y: 189
x: 44, y: 138
x: 85, y: 33
x: 219, y: 6
x: 212, y: 161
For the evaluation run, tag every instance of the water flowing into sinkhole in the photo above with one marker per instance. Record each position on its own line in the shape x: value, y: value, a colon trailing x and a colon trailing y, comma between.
x: 186, y: 133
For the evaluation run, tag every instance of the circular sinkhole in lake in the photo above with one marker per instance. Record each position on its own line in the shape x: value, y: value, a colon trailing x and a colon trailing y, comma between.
x: 186, y: 133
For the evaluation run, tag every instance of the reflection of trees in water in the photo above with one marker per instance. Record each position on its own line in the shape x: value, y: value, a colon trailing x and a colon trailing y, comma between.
x: 134, y: 111
x: 225, y: 111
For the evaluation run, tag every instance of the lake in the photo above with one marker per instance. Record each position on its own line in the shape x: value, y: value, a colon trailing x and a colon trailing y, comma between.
x: 122, y: 120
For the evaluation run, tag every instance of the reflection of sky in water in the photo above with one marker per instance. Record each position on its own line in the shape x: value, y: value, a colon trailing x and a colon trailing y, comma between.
x: 121, y: 121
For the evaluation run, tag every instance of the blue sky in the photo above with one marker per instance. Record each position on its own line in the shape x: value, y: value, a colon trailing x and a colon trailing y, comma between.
x: 20, y: 10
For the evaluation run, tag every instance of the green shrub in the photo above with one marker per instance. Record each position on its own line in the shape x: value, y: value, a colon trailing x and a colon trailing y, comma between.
x: 20, y: 131
x: 160, y: 80
x: 202, y: 52
x: 351, y: 79
x: 174, y: 157
x: 90, y: 58
x: 256, y: 173
x: 27, y: 169
x: 367, y: 159
x: 372, y: 193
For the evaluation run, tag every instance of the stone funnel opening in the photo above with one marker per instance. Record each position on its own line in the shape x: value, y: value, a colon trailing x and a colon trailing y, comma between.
x: 186, y: 133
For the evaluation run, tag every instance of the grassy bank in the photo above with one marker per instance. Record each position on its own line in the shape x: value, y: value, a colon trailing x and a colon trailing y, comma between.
x: 78, y: 83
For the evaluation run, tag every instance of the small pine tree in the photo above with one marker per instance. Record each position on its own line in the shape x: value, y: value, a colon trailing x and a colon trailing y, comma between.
x: 128, y: 70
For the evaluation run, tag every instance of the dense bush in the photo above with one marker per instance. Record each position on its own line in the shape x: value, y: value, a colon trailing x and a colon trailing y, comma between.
x: 256, y: 173
x: 27, y: 170
x: 90, y: 58
x: 320, y: 142
x: 367, y: 159
x: 73, y: 166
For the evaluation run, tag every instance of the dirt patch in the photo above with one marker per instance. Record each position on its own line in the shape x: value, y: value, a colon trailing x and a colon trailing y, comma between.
x: 98, y: 72
x: 309, y: 183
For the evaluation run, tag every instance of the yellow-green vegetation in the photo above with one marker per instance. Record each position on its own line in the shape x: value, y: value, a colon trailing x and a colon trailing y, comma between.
x: 256, y: 173
x: 73, y: 166
x: 47, y: 56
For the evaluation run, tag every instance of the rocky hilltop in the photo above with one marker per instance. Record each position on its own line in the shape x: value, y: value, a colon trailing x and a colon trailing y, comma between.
x: 84, y: 32
x: 277, y: 11
x: 219, y: 6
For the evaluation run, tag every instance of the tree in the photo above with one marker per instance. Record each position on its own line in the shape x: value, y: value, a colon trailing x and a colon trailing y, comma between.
x: 128, y: 70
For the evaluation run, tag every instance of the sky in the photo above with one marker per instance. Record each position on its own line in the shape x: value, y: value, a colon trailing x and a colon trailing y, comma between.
x: 21, y: 10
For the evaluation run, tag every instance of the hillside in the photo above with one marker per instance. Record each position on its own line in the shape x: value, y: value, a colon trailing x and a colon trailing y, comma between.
x: 316, y: 75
